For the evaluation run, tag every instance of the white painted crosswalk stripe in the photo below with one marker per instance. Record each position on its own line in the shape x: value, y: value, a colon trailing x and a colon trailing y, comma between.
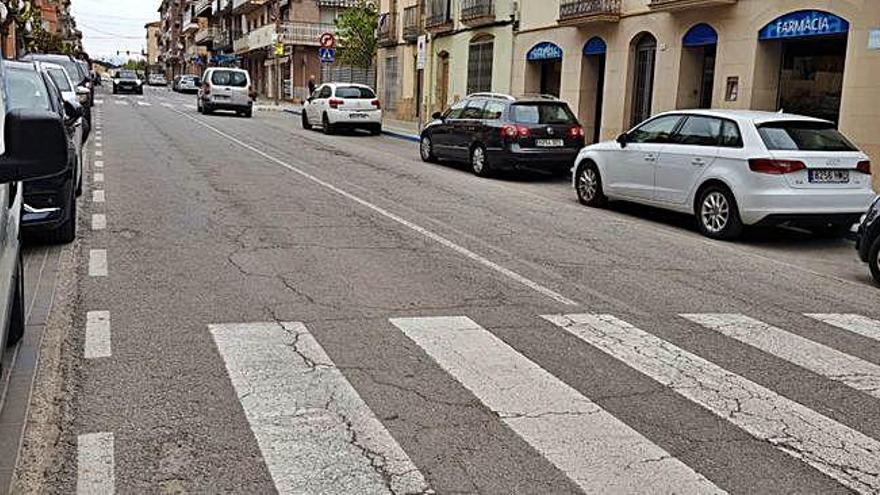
x: 592, y: 447
x: 95, y: 464
x: 311, y: 426
x: 842, y: 453
x: 820, y: 359
x: 861, y: 325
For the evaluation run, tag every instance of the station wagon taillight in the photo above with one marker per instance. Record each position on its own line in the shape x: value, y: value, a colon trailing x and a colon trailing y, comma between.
x: 335, y: 103
x: 775, y: 167
x: 514, y: 131
x: 376, y: 104
x: 576, y: 132
x: 864, y: 167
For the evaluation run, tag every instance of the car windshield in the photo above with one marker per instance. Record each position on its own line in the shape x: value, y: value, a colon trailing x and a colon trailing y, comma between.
x: 26, y: 89
x: 354, y: 92
x: 542, y: 113
x: 72, y: 68
x: 229, y: 78
x: 803, y: 136
x: 190, y: 79
x: 60, y: 79
x: 127, y: 74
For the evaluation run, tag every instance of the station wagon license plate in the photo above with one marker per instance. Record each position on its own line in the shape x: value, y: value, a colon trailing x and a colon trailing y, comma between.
x: 829, y: 176
x: 549, y: 143
x: 358, y: 115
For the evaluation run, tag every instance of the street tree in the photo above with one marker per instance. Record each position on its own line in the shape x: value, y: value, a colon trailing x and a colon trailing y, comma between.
x: 356, y: 29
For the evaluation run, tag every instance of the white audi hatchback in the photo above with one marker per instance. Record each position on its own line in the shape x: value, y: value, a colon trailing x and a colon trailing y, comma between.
x: 343, y: 105
x: 733, y: 168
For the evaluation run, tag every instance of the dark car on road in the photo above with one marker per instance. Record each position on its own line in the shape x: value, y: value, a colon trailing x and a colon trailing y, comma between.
x: 128, y: 81
x: 49, y: 203
x: 494, y: 132
x: 868, y: 243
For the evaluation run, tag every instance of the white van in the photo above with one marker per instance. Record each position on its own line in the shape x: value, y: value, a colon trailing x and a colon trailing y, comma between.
x: 226, y: 89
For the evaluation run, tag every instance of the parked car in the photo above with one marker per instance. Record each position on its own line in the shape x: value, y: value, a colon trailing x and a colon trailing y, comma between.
x: 156, y: 80
x: 127, y: 81
x: 49, y: 203
x: 226, y: 89
x: 343, y: 105
x: 70, y: 93
x: 186, y: 84
x: 868, y: 239
x: 78, y: 74
x: 731, y: 169
x: 495, y: 132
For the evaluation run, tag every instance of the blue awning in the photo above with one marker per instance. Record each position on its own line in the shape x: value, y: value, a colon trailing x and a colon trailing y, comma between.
x: 596, y: 46
x: 700, y: 35
x: 544, y: 51
x: 803, y: 24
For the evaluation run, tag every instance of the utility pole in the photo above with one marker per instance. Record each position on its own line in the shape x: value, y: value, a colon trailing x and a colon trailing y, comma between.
x: 278, y: 39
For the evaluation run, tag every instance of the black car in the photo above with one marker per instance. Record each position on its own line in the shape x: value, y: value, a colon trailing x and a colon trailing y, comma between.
x: 868, y: 242
x: 127, y: 81
x: 80, y: 76
x: 496, y: 132
x: 50, y: 203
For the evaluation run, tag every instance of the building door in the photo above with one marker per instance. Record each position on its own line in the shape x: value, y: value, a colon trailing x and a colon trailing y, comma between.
x: 707, y: 78
x: 811, y: 77
x: 592, y: 88
x: 551, y: 77
x: 643, y: 80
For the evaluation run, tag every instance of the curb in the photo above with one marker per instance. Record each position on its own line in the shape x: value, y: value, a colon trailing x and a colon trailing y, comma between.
x: 395, y: 134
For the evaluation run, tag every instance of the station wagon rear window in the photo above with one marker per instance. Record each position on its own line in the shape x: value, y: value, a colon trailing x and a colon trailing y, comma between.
x: 542, y: 113
x: 803, y: 136
x: 229, y: 78
x: 354, y: 92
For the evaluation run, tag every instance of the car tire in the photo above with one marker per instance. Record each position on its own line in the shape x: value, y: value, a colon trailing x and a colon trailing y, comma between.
x: 480, y: 161
x: 248, y: 113
x: 16, y: 325
x: 206, y: 109
x: 588, y: 185
x: 426, y: 149
x: 376, y: 130
x: 66, y: 232
x: 305, y: 121
x: 718, y: 214
x: 874, y: 260
x: 326, y: 126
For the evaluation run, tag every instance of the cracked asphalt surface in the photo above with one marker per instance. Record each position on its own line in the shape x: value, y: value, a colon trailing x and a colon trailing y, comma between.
x: 202, y: 231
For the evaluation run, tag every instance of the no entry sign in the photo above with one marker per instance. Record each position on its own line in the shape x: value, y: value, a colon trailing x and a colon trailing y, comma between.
x: 327, y: 40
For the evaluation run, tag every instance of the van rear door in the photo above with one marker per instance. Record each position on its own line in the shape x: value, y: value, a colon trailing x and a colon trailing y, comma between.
x: 230, y: 87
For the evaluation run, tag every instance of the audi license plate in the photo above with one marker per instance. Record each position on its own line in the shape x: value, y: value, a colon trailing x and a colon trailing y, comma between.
x: 829, y: 176
x: 358, y: 115
x: 549, y: 143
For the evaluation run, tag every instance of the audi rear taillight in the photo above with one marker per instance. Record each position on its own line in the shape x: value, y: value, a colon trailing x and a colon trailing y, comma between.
x: 576, y: 132
x: 775, y: 167
x: 376, y: 104
x: 335, y: 103
x: 515, y: 131
x: 864, y: 167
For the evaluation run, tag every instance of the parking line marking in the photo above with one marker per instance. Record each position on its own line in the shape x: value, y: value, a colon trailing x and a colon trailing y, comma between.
x: 99, y: 164
x: 99, y: 102
x: 95, y: 464
x: 98, y: 196
x: 862, y: 325
x: 841, y: 452
x: 535, y: 286
x: 588, y: 444
x: 98, y: 263
x: 98, y: 144
x: 99, y: 177
x: 99, y: 153
x: 99, y: 221
x: 97, y: 343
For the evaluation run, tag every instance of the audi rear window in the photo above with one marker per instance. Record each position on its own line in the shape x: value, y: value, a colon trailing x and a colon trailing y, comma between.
x: 354, y: 92
x: 803, y: 136
x: 229, y: 78
x: 542, y: 113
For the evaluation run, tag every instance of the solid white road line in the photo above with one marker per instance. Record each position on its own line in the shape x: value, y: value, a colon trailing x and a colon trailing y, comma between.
x: 315, y: 432
x: 99, y: 221
x: 99, y: 177
x: 97, y: 343
x: 837, y: 450
x: 95, y: 464
x: 98, y: 196
x: 99, y: 164
x: 861, y: 325
x: 820, y: 359
x: 98, y: 262
x: 592, y: 447
x: 395, y: 218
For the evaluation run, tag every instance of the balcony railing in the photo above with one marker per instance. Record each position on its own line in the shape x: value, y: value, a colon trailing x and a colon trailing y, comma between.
x: 673, y: 5
x: 412, y: 23
x: 578, y: 12
x: 305, y: 33
x: 190, y: 27
x: 240, y: 44
x: 222, y: 41
x: 203, y: 7
x: 439, y: 21
x: 246, y: 6
x: 477, y: 12
x: 338, y: 4
x: 387, y: 32
x: 261, y: 37
x: 206, y: 35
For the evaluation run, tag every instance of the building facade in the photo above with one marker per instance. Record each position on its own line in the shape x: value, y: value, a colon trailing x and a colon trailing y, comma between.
x: 170, y: 41
x: 154, y: 33
x: 38, y: 26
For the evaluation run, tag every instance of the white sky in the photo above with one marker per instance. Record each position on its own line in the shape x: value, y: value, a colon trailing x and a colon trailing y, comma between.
x: 111, y: 25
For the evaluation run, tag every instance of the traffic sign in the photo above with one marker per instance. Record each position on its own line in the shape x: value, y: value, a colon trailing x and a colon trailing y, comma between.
x: 327, y: 55
x: 327, y: 40
x: 279, y: 49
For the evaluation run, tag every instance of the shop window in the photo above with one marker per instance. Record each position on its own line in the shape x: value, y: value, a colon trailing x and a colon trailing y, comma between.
x: 480, y: 64
x: 643, y: 77
x: 811, y: 80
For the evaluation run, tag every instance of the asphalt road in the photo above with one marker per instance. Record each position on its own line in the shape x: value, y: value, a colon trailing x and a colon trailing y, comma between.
x: 280, y: 310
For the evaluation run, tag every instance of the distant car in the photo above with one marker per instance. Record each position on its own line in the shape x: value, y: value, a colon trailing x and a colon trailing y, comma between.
x: 731, y: 169
x: 342, y: 105
x: 868, y: 239
x: 127, y: 81
x: 495, y: 132
x: 226, y: 89
x: 157, y: 80
x: 187, y: 84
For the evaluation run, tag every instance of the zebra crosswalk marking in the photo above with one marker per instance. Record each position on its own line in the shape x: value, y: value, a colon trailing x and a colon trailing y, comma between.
x: 597, y: 451
x: 840, y: 452
x: 861, y: 325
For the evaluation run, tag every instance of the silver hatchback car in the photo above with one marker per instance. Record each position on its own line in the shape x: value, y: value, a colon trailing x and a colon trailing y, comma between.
x: 226, y: 89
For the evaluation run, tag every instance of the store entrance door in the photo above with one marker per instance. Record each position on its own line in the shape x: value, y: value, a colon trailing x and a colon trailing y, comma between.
x: 811, y: 77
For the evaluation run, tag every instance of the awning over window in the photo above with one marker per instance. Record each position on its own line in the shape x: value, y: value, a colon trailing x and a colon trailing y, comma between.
x: 803, y: 24
x: 700, y: 35
x: 544, y: 51
x: 596, y: 46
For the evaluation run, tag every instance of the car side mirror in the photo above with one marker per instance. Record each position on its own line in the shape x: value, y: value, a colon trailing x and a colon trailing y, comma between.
x: 73, y: 110
x: 36, y: 146
x: 437, y: 116
x: 623, y: 140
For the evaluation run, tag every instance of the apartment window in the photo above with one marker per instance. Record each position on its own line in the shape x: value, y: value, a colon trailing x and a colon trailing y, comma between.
x: 480, y: 64
x: 391, y: 83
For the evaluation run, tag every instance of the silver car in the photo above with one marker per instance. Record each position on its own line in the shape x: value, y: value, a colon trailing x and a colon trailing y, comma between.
x: 226, y: 89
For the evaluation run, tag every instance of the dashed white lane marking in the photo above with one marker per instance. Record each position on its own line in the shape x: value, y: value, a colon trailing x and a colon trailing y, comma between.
x: 99, y: 144
x: 835, y: 449
x: 98, y: 196
x: 99, y: 102
x: 861, y: 325
x: 190, y: 107
x: 121, y: 102
x: 312, y: 427
x: 467, y: 253
x: 99, y: 177
x: 167, y: 105
x: 99, y: 164
x: 95, y: 464
x: 144, y: 103
x: 97, y: 343
x: 593, y: 448
x: 820, y: 359
x: 99, y: 153
x: 99, y: 221
x: 98, y: 263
